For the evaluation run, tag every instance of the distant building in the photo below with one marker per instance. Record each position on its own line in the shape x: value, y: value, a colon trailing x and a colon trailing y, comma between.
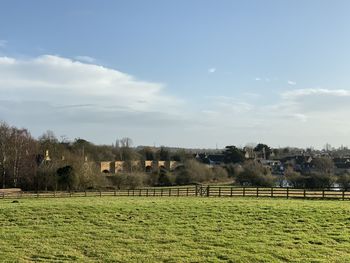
x: 115, y: 167
x: 210, y: 159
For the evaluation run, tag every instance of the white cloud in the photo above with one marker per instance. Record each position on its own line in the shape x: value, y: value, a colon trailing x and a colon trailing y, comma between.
x: 61, y: 81
x: 293, y: 94
x: 7, y: 60
x: 212, y: 70
x: 86, y: 100
x: 3, y: 43
x: 85, y: 59
x: 101, y: 104
x: 257, y: 79
x: 292, y: 83
x: 300, y: 117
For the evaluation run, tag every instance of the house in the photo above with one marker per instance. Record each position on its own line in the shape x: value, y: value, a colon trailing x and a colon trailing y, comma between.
x: 300, y: 163
x: 275, y: 166
x: 342, y: 164
x: 210, y: 159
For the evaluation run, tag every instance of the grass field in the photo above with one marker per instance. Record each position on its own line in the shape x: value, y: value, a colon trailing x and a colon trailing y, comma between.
x: 171, y: 229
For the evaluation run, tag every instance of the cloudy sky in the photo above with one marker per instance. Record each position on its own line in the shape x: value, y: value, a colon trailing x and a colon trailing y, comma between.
x: 188, y: 73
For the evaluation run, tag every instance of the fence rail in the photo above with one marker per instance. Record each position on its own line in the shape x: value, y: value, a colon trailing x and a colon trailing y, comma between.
x: 199, y: 191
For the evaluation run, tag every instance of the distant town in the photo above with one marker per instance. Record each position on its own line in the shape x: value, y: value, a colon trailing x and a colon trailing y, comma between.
x: 48, y: 163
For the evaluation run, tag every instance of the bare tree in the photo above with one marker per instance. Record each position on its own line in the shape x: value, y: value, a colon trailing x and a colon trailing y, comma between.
x: 5, y: 134
x: 125, y: 142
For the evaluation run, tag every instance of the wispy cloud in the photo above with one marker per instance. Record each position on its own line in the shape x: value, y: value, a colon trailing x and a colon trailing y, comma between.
x: 292, y: 83
x: 85, y: 59
x: 212, y: 70
x: 266, y: 79
x: 293, y: 94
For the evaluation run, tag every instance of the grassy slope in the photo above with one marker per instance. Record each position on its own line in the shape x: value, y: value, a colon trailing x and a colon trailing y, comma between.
x: 174, y: 230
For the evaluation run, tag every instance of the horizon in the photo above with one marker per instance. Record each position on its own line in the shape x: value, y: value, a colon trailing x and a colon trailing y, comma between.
x: 64, y: 140
x: 191, y: 74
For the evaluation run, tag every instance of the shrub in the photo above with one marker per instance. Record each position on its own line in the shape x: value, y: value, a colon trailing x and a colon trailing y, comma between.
x: 152, y: 179
x: 128, y: 180
x: 312, y: 180
x: 66, y: 177
x: 255, y: 174
x: 319, y: 180
x: 135, y: 180
x: 166, y: 179
x: 46, y: 176
x: 193, y: 172
x: 233, y: 169
x: 294, y: 178
x: 344, y: 180
x: 219, y: 174
x: 88, y: 176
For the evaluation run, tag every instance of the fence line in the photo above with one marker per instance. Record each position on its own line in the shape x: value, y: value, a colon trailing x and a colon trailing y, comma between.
x: 195, y: 191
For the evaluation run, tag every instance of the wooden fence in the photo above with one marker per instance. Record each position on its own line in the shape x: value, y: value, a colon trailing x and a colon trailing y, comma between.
x: 199, y: 191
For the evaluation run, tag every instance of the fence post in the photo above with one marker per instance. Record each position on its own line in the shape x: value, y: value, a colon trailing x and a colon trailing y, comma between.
x: 243, y: 191
x: 128, y: 192
x: 271, y: 191
x: 231, y: 191
x: 257, y: 192
x: 219, y: 191
x: 140, y: 192
x: 161, y: 192
x: 322, y: 193
x: 154, y: 192
x: 304, y: 193
x: 343, y: 194
x: 147, y: 192
x: 196, y: 190
x: 169, y: 191
x: 178, y: 191
x: 187, y: 191
x: 115, y: 192
x: 100, y: 193
x: 287, y: 192
x: 37, y: 194
x: 208, y: 191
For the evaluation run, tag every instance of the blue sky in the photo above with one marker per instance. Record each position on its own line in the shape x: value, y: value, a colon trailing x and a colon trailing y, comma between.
x: 178, y: 73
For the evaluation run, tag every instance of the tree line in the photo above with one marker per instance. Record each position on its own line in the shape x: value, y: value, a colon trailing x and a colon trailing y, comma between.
x: 47, y: 163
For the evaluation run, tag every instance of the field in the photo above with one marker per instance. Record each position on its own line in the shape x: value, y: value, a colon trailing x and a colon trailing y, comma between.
x: 170, y: 229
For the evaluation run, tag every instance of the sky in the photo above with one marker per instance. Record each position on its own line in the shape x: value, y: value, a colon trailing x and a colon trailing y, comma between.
x: 186, y: 73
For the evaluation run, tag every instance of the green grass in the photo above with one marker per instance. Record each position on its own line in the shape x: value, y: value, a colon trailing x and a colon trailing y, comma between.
x: 171, y: 229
